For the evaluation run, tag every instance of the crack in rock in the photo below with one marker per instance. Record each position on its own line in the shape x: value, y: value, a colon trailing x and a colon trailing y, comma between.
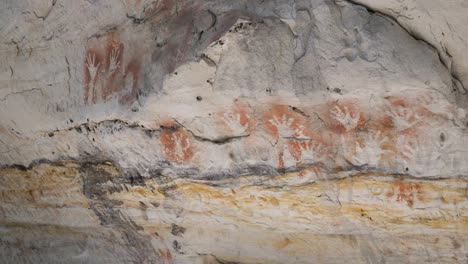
x: 21, y: 92
x: 44, y: 17
x: 219, y: 141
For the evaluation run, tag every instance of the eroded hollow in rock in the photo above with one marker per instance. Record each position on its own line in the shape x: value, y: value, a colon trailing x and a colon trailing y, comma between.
x: 307, y: 131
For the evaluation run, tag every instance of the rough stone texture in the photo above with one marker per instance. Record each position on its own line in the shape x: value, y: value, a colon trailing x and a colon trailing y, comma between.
x: 284, y: 131
x: 440, y: 23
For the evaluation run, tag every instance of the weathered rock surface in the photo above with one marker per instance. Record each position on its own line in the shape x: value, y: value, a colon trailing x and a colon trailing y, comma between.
x: 307, y: 131
x: 440, y: 23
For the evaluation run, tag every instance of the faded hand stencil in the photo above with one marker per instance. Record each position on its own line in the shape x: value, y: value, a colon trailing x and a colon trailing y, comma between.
x: 403, y: 118
x: 369, y: 152
x: 176, y: 143
x: 110, y: 71
x: 345, y: 117
x: 418, y: 157
x: 285, y: 127
x: 312, y: 152
x: 406, y: 192
x: 282, y: 123
x: 233, y: 120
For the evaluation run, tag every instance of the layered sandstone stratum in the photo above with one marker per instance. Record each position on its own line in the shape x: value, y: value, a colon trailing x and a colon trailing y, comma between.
x: 240, y: 131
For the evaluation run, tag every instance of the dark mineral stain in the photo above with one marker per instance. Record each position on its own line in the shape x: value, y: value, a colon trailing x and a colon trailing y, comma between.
x: 134, y: 178
x: 148, y: 133
x: 176, y: 246
x: 442, y: 137
x: 143, y: 205
x: 96, y: 187
x: 337, y: 90
x: 177, y: 230
x: 455, y: 243
x: 93, y: 179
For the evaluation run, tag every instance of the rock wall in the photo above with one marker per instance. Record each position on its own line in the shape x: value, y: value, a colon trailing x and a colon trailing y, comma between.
x: 307, y: 131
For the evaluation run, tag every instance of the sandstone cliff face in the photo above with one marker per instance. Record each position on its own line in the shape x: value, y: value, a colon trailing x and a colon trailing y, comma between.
x: 284, y: 131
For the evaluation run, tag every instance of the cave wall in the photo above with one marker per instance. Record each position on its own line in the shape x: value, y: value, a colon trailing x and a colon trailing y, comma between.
x: 307, y: 131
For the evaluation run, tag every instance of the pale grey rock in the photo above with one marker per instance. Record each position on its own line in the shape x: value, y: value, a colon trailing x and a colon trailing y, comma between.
x: 445, y: 29
x: 308, y: 131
